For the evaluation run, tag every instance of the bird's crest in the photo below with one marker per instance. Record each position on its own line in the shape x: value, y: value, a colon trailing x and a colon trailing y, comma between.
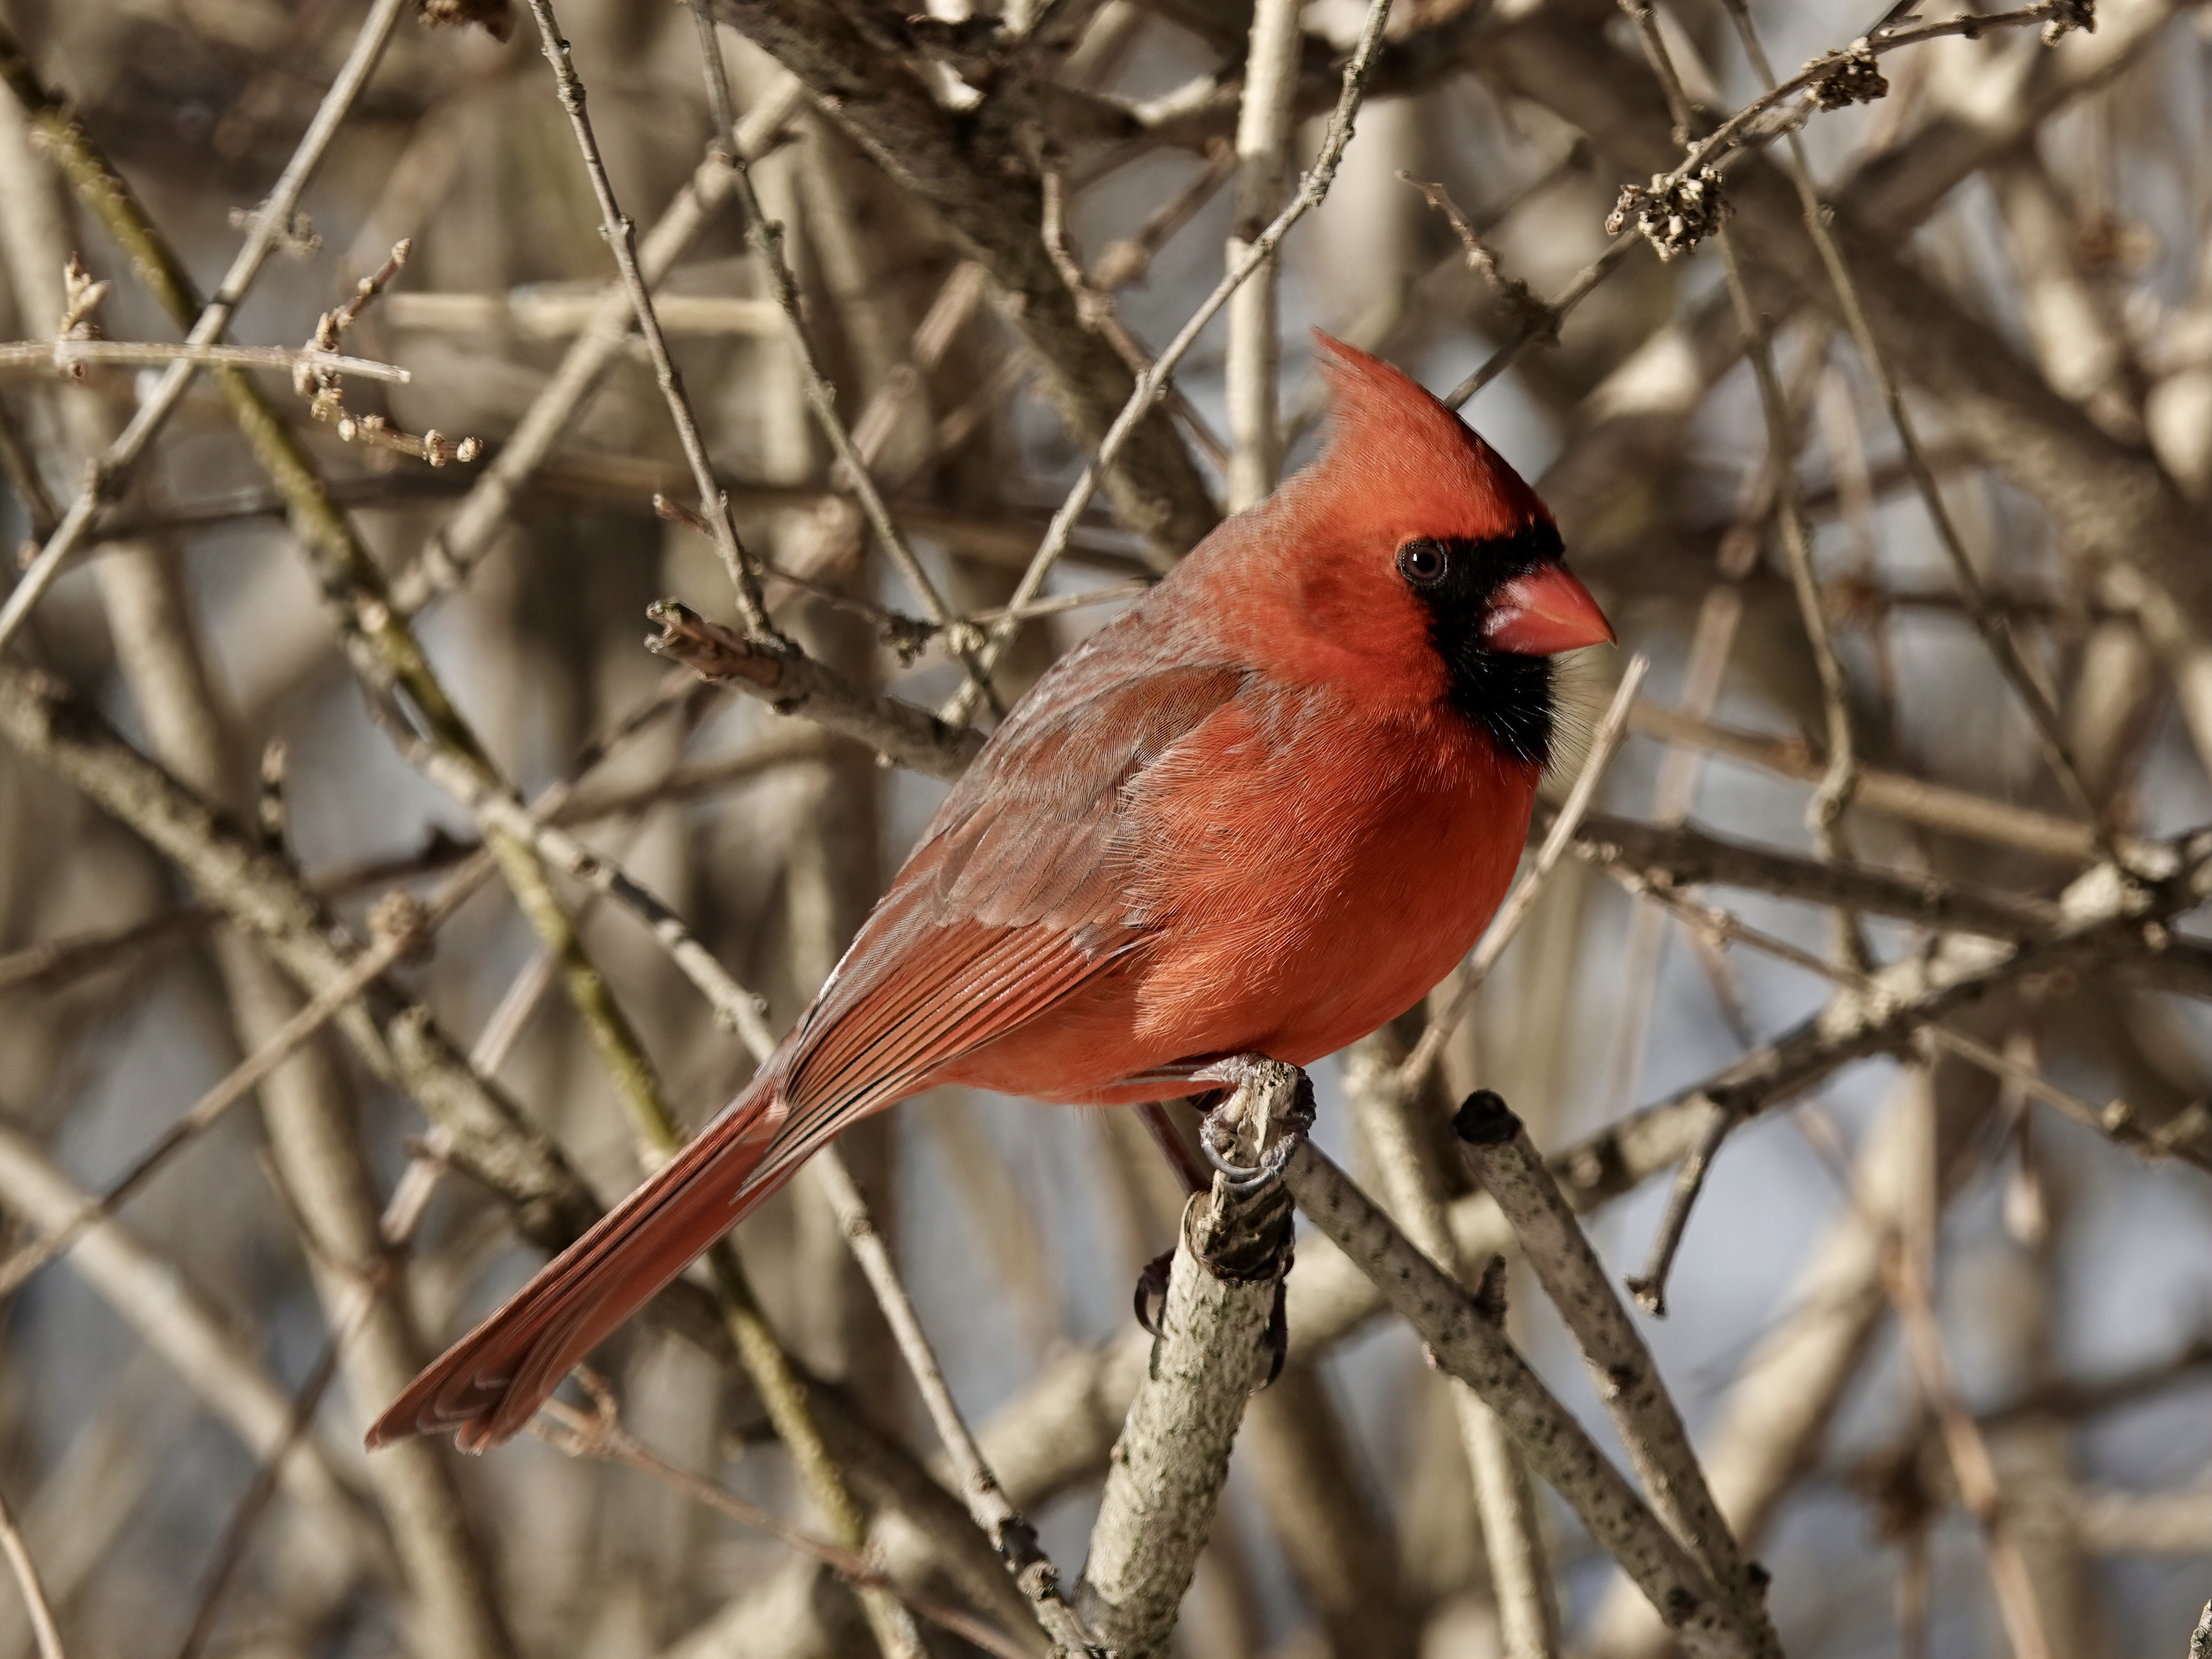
x: 1395, y: 450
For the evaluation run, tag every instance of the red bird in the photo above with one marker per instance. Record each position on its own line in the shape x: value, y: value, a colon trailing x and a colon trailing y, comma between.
x: 1260, y: 813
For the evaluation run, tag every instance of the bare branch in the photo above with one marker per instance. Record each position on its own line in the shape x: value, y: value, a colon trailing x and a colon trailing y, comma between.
x: 447, y: 558
x: 1467, y: 1343
x: 1628, y: 1382
x: 766, y: 239
x: 973, y: 171
x: 492, y: 1138
x: 1264, y: 130
x: 1389, y: 1112
x: 795, y: 682
x: 407, y: 933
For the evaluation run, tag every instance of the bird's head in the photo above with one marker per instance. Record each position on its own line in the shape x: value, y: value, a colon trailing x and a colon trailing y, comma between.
x: 1425, y: 567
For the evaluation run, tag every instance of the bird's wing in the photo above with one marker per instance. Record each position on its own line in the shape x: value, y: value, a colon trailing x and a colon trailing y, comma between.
x: 1018, y: 893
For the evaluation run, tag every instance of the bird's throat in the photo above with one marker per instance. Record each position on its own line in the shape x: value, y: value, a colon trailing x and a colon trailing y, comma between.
x: 1505, y: 698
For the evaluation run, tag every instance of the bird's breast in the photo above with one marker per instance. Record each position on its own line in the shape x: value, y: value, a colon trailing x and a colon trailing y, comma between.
x: 1314, y: 868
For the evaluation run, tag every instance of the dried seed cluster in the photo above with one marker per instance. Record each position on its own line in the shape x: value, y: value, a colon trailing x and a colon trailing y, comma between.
x: 1851, y: 76
x: 2066, y: 16
x: 1672, y: 214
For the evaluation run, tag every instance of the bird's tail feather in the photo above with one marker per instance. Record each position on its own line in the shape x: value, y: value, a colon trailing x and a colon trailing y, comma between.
x: 491, y: 1382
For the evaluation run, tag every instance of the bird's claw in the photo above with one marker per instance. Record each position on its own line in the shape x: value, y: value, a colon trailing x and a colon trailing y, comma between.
x: 1217, y: 1138
x: 1275, y: 1338
x: 1243, y: 1180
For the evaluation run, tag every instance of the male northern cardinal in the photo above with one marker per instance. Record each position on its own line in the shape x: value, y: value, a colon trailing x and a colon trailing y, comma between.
x: 1260, y: 813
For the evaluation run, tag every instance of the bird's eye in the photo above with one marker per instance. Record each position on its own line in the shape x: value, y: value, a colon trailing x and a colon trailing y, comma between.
x: 1422, y: 563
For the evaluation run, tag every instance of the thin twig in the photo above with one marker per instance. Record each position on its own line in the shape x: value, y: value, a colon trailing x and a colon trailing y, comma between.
x: 1842, y: 775
x: 1096, y: 306
x: 230, y: 1553
x: 1012, y: 1536
x: 454, y: 549
x: 1988, y: 620
x: 622, y: 238
x: 18, y: 464
x: 1542, y: 326
x: 1650, y: 1287
x: 501, y: 812
x: 1387, y: 316
x: 325, y: 390
x: 1534, y: 319
x: 2113, y: 1120
x: 1737, y: 132
x: 1969, y: 1454
x: 1125, y: 262
x: 71, y: 357
x: 48, y: 1633
x: 55, y: 962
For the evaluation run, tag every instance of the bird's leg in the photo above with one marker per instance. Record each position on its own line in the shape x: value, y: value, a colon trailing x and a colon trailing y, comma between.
x: 1153, y: 1282
x: 1187, y: 1168
x: 1218, y: 1134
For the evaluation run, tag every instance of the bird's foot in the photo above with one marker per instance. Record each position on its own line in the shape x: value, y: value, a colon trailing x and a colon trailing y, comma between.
x: 1219, y: 1132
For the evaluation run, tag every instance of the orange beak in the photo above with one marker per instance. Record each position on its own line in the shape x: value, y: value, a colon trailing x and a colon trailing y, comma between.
x: 1544, y: 612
